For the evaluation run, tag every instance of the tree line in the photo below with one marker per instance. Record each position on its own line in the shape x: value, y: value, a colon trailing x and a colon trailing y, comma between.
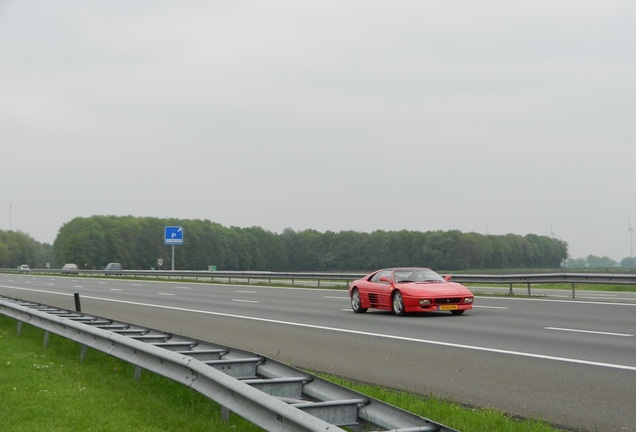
x: 17, y: 248
x: 138, y: 243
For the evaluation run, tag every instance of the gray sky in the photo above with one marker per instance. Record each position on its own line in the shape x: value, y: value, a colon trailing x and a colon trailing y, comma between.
x: 493, y: 117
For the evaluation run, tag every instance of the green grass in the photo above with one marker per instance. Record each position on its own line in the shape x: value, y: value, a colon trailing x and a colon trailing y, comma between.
x: 48, y: 389
x: 582, y: 287
x: 451, y: 414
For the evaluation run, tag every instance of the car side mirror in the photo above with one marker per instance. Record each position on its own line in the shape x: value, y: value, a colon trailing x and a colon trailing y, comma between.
x: 447, y: 278
x: 385, y: 279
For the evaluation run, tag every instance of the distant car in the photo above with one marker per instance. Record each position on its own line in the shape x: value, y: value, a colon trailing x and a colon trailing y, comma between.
x: 113, y: 268
x: 70, y: 268
x: 24, y: 267
x: 409, y: 289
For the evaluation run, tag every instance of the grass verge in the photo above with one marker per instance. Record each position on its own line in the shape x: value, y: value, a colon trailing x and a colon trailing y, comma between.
x: 48, y: 389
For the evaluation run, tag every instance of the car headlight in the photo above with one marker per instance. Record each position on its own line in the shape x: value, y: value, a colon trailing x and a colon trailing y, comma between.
x: 468, y: 300
x: 425, y: 302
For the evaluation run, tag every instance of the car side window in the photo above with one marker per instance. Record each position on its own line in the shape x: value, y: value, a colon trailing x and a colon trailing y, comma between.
x: 378, y: 275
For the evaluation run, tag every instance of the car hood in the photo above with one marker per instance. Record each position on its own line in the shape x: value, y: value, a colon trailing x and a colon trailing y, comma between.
x: 434, y: 288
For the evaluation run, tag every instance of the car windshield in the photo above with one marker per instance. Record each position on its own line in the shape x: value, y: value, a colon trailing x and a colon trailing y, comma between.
x: 416, y: 275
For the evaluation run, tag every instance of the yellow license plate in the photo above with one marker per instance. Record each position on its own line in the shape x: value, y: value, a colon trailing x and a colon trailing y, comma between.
x: 448, y: 307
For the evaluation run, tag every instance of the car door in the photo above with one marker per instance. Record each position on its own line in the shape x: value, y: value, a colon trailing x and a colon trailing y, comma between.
x: 380, y: 291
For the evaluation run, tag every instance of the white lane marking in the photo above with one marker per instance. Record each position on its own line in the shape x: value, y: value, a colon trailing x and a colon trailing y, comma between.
x: 589, y: 331
x: 182, y: 287
x: 51, y: 284
x: 167, y: 294
x: 115, y: 289
x: 101, y: 282
x: 384, y: 336
x: 379, y: 335
x: 245, y: 292
x: 561, y: 301
x: 136, y: 285
x: 245, y: 301
x: 78, y: 286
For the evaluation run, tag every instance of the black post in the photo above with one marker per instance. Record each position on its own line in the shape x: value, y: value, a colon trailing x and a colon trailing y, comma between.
x: 78, y: 306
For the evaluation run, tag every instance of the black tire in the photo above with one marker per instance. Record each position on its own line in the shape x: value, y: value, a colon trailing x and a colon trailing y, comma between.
x: 397, y: 303
x: 457, y: 312
x: 356, y: 302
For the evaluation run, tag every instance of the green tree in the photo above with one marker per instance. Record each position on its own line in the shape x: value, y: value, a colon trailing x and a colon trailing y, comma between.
x: 600, y: 262
x: 138, y: 242
x: 17, y: 248
x: 628, y: 262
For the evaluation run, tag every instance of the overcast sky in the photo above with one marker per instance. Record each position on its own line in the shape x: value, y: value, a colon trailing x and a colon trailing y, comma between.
x: 491, y: 117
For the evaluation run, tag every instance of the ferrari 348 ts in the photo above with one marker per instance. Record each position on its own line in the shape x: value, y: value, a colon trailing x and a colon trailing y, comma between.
x: 409, y: 289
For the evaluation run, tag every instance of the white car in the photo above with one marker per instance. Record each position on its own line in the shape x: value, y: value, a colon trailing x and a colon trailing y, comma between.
x: 70, y: 268
x: 24, y: 267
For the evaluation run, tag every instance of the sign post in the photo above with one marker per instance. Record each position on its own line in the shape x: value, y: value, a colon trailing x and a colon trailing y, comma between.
x: 173, y: 235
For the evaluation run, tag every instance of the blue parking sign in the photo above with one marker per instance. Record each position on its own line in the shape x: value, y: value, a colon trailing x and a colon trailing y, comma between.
x: 173, y: 235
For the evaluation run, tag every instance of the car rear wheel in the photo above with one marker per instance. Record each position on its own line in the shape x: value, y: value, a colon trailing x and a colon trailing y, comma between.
x: 398, y: 303
x: 457, y: 312
x: 356, y: 304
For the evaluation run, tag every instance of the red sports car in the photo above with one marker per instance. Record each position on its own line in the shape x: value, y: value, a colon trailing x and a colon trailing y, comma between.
x: 409, y: 289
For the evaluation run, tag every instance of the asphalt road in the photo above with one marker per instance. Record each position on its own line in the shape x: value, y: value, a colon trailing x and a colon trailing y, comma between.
x: 572, y: 363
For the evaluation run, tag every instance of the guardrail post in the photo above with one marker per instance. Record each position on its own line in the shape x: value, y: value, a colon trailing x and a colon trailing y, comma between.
x: 83, y: 354
x: 78, y: 306
x: 19, y: 330
x: 529, y: 292
x: 137, y: 373
x: 573, y: 289
x: 46, y: 338
x: 225, y: 414
x: 510, y: 294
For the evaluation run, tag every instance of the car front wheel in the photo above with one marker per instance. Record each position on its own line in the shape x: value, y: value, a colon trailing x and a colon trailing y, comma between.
x: 356, y: 304
x: 398, y: 303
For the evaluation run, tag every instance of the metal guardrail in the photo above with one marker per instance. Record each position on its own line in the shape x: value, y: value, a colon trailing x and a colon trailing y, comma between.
x: 549, y: 278
x: 269, y: 394
x: 203, y: 275
x: 345, y: 278
x: 583, y: 278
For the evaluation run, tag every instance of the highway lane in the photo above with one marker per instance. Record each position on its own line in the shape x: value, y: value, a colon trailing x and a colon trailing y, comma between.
x: 501, y: 324
x: 571, y: 363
